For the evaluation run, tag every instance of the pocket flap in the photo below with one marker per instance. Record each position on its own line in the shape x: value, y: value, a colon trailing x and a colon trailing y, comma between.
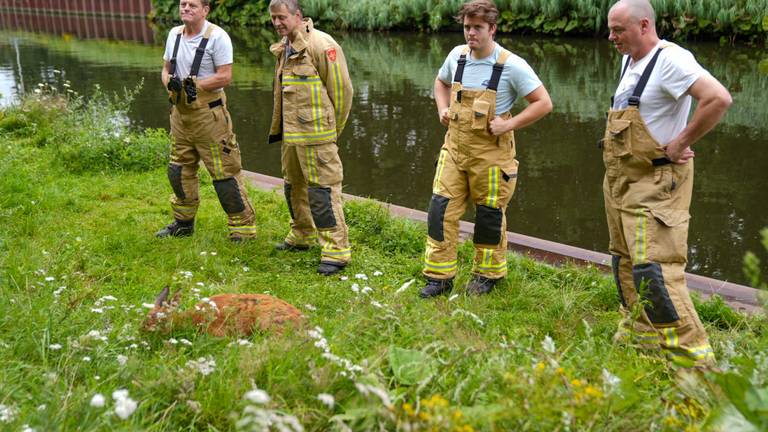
x: 618, y: 126
x: 481, y: 107
x: 304, y: 70
x: 671, y: 217
x: 307, y: 115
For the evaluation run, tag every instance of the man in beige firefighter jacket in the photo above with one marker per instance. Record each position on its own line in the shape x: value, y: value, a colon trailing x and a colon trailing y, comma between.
x: 312, y: 100
x: 649, y: 181
x: 198, y: 65
x: 474, y: 91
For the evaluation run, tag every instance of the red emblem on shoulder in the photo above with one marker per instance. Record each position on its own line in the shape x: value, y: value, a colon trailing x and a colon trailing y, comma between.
x: 331, y: 53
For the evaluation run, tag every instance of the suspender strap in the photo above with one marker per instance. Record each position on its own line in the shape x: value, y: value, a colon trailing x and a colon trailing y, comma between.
x: 172, y: 69
x: 621, y: 77
x: 498, y: 69
x: 200, y: 52
x: 459, y: 75
x: 634, y: 100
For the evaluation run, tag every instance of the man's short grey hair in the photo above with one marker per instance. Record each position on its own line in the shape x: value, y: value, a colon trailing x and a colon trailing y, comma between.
x: 638, y: 9
x: 291, y: 5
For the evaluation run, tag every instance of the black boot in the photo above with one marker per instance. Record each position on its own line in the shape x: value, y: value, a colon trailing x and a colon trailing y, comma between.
x: 285, y: 246
x: 329, y: 268
x: 435, y: 287
x: 480, y: 285
x: 177, y: 229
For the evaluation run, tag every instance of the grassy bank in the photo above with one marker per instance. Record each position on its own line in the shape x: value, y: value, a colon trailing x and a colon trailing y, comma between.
x: 80, y: 196
x: 740, y: 20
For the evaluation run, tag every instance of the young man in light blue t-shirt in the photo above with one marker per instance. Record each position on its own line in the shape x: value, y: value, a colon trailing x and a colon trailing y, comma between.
x: 474, y: 91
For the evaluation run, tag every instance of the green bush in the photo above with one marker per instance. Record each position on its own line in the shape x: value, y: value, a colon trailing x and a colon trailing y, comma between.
x: 743, y: 20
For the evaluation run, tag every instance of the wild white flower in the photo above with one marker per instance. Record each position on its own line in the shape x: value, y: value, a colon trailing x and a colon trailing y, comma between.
x: 42, y: 407
x: 344, y: 278
x: 119, y: 394
x: 8, y: 413
x: 257, y: 396
x: 376, y: 304
x: 125, y: 407
x: 355, y: 288
x: 194, y: 405
x: 200, y: 284
x: 98, y: 400
x: 26, y: 428
x: 377, y: 273
x: 405, y: 286
x: 244, y: 342
x: 361, y: 276
x: 86, y: 359
x: 214, y: 253
x: 203, y: 253
x: 49, y: 278
x: 185, y: 342
x: 468, y: 314
x: 205, y: 366
x: 246, y: 269
x: 610, y: 381
x: 122, y: 360
x: 548, y: 345
x: 97, y: 310
x: 453, y: 297
x: 382, y: 394
x: 327, y: 400
x: 54, y: 347
x: 366, y: 290
x: 58, y: 291
x: 173, y: 341
x: 309, y: 307
x: 148, y: 305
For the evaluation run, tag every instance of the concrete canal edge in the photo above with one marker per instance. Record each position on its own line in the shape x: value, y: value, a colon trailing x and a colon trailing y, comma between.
x: 739, y: 297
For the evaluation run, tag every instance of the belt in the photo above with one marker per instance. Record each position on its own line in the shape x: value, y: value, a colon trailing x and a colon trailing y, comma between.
x: 661, y: 161
x: 214, y: 104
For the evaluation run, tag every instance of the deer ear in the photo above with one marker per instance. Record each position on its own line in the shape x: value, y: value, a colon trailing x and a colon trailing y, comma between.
x: 161, y: 297
x: 176, y: 297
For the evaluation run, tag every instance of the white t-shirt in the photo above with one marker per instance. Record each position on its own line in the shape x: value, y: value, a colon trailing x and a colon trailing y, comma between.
x: 665, y: 104
x: 218, y: 52
x: 517, y: 79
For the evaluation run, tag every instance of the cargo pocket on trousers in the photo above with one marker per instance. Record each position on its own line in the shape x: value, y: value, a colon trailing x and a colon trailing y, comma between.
x: 668, y: 240
x: 480, y: 109
x: 230, y: 156
x: 649, y: 282
x: 329, y: 167
x: 618, y: 136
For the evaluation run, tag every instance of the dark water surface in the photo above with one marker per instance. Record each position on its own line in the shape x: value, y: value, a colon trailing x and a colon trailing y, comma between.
x: 393, y: 135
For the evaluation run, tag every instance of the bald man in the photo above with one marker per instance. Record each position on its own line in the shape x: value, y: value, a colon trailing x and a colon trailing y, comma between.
x: 649, y: 181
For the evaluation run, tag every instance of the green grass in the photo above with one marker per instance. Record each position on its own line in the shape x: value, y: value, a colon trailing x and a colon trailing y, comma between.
x: 394, y: 361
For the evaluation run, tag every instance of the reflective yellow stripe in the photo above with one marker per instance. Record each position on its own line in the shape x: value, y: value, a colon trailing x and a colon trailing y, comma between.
x: 218, y: 169
x: 316, y: 107
x: 338, y: 253
x: 301, y: 80
x: 439, y: 172
x: 671, y: 340
x: 296, y: 240
x: 641, y: 252
x: 338, y: 99
x: 492, y: 267
x: 243, y: 229
x: 493, y: 187
x: 303, y: 136
x: 440, y: 267
x: 311, y: 166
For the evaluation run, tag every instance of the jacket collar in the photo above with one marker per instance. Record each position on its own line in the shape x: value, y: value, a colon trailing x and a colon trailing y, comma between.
x: 300, y: 39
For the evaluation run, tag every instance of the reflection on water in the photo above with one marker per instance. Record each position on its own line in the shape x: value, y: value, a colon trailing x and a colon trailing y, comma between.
x: 393, y: 135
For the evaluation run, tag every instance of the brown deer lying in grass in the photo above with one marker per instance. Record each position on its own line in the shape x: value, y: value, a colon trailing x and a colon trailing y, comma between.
x: 223, y: 315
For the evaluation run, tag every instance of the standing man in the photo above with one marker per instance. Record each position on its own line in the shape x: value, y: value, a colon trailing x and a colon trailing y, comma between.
x: 312, y: 100
x: 474, y: 90
x: 198, y: 65
x: 649, y: 181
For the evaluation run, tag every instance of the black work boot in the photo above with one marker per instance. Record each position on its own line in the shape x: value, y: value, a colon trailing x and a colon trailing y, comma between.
x: 435, y: 287
x: 329, y: 268
x: 177, y: 229
x: 480, y: 285
x: 285, y: 246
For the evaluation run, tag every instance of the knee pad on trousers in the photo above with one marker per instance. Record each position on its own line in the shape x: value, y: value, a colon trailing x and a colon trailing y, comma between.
x: 321, y: 207
x: 174, y: 177
x: 229, y: 195
x: 436, y: 217
x: 615, y: 262
x: 487, y: 225
x: 649, y: 281
x: 287, y: 189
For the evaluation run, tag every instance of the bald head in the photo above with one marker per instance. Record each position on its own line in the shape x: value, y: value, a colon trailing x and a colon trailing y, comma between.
x: 636, y: 9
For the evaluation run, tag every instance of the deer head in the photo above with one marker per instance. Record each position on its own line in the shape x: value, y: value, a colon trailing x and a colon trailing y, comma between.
x: 162, y: 310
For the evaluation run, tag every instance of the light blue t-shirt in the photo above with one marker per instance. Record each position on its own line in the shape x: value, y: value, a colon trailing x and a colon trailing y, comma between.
x: 518, y: 78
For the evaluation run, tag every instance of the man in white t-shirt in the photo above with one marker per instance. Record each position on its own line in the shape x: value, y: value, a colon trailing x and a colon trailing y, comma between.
x: 198, y: 65
x: 474, y: 91
x: 649, y: 182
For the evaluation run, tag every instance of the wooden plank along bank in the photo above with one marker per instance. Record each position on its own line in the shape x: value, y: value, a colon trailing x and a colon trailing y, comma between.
x: 738, y: 297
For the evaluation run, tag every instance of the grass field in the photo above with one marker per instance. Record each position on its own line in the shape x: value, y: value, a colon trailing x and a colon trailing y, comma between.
x: 81, y: 195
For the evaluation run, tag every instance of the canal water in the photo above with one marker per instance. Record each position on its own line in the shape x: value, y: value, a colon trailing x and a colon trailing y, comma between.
x: 393, y: 135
